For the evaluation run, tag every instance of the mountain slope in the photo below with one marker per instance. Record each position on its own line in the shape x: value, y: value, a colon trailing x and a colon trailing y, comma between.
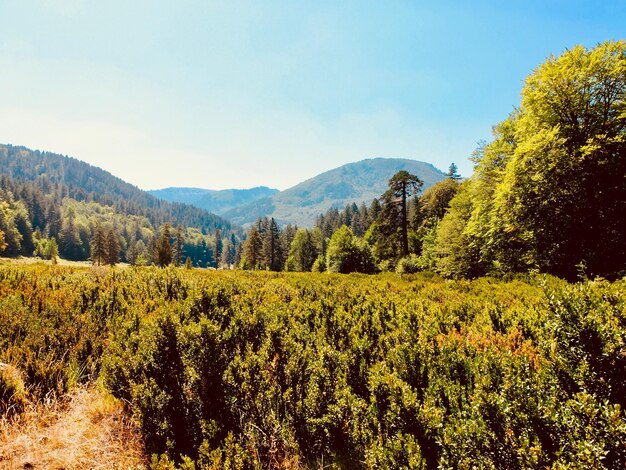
x: 355, y: 182
x: 215, y: 201
x: 83, y: 182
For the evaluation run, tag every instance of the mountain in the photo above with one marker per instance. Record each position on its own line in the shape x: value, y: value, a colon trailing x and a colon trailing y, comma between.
x: 217, y: 202
x: 355, y: 182
x: 70, y: 177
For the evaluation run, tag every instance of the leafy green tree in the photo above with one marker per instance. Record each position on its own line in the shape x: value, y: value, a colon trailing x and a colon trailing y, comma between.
x: 548, y: 192
x: 12, y: 236
x: 347, y: 254
x: 562, y: 195
x: 3, y: 244
x: 303, y: 252
x: 436, y: 200
x: 455, y: 254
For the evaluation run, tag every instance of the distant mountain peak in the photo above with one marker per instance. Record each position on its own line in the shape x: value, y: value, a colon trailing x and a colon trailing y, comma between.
x: 356, y: 182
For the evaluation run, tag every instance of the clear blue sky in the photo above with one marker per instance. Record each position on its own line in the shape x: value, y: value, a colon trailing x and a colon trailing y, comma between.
x: 220, y: 94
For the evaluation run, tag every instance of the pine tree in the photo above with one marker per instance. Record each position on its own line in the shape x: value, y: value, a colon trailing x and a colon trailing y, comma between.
x: 252, y: 249
x: 179, y: 241
x: 394, y: 216
x: 98, y: 245
x: 453, y: 172
x: 112, y: 247
x: 217, y: 253
x: 163, y: 248
x: 271, y: 247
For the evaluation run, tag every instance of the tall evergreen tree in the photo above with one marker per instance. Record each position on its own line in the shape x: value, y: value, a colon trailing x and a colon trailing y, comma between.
x: 112, y: 247
x: 394, y: 216
x: 271, y: 247
x: 252, y: 249
x: 98, y: 245
x: 179, y: 241
x: 163, y: 248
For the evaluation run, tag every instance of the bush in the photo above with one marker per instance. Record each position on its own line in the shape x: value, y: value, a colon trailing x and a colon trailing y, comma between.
x: 408, y: 265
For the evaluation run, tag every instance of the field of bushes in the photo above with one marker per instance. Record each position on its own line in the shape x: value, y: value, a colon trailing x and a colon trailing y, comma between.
x: 285, y: 370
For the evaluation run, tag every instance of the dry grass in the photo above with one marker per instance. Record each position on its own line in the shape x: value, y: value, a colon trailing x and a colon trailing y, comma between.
x: 86, y: 430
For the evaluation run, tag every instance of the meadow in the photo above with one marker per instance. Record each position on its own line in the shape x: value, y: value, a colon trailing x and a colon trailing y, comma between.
x: 234, y: 370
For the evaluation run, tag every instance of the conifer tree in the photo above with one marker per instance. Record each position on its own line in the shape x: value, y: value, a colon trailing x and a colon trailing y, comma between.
x: 252, y: 249
x: 112, y: 247
x: 98, y: 245
x: 179, y: 241
x: 394, y: 217
x: 163, y: 248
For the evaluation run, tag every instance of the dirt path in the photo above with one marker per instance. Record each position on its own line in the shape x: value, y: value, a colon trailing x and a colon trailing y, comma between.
x: 88, y: 430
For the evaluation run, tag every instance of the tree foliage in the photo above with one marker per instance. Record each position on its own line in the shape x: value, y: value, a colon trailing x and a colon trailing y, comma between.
x: 548, y: 193
x: 347, y: 254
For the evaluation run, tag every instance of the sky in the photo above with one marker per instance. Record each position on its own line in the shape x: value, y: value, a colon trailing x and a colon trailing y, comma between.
x: 236, y: 94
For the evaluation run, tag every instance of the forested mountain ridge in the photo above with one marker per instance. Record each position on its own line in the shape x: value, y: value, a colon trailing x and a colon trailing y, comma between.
x: 352, y: 183
x: 215, y: 201
x: 85, y: 182
x: 55, y: 205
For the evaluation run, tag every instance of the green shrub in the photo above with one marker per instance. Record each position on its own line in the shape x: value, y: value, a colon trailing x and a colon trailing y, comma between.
x: 408, y: 265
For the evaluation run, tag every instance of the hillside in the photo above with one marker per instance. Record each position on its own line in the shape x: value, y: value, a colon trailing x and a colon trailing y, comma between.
x: 83, y: 182
x: 54, y: 206
x: 355, y: 182
x: 215, y: 201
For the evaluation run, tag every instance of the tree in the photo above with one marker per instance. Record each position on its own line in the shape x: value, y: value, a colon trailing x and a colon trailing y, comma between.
x: 302, y: 252
x: 347, y: 254
x: 453, y: 172
x: 394, y: 216
x: 163, y: 248
x: 70, y: 245
x: 179, y: 241
x: 436, y: 200
x: 112, y: 247
x: 3, y: 244
x: 252, y: 249
x: 228, y: 254
x: 53, y: 250
x: 98, y: 245
x: 548, y: 192
x: 271, y: 247
x: 217, y: 252
x: 12, y: 236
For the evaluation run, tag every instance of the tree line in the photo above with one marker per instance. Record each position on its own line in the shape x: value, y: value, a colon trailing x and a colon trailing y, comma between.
x: 358, y: 238
x: 49, y: 225
x: 548, y: 193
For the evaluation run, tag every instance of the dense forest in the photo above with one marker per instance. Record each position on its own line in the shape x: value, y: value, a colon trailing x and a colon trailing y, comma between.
x: 54, y: 205
x: 548, y: 194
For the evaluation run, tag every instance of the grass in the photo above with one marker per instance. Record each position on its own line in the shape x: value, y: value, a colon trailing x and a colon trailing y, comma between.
x: 87, y: 429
